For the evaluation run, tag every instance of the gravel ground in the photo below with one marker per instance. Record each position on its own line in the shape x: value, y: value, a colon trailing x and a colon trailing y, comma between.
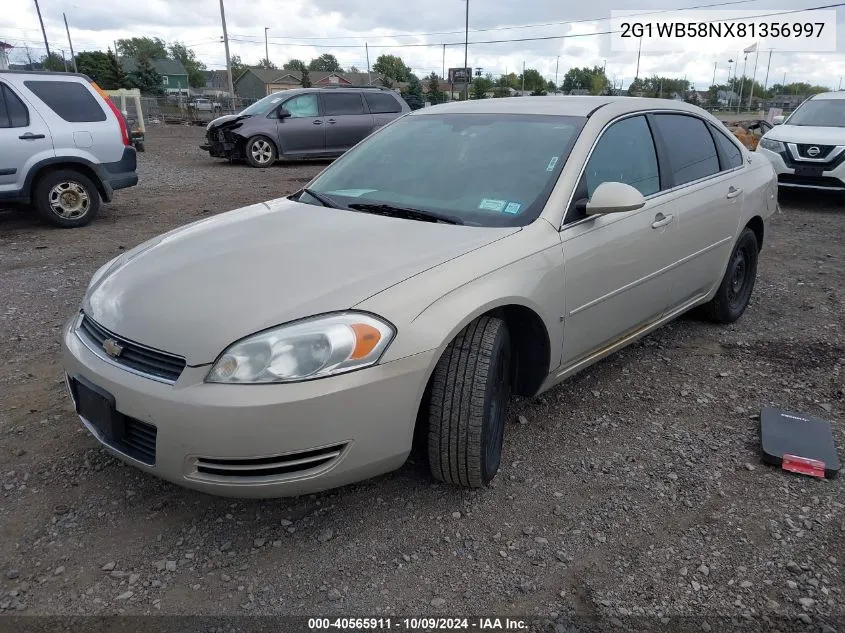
x: 634, y: 489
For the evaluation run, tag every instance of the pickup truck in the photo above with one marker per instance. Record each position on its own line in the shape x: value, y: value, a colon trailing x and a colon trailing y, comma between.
x: 204, y: 105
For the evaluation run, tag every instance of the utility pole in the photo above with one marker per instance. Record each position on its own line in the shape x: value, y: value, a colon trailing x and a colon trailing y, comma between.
x: 228, y: 59
x: 840, y: 84
x: 741, y: 84
x: 266, y: 49
x: 43, y: 32
x: 557, y: 65
x: 73, y: 57
x: 753, y: 78
x: 713, y: 83
x: 466, y: 50
x: 367, y: 50
x: 639, y: 50
x: 444, y: 63
x: 523, y: 80
x: 64, y: 60
x: 766, y: 85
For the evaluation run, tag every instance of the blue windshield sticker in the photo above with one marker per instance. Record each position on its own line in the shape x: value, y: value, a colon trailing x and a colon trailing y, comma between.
x: 512, y: 208
x: 552, y: 163
x: 492, y: 205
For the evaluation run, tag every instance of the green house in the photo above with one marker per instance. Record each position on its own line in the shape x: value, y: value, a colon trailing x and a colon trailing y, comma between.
x: 174, y: 77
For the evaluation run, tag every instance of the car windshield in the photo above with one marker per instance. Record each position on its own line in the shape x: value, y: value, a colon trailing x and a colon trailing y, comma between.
x: 263, y: 106
x: 477, y: 169
x: 820, y: 113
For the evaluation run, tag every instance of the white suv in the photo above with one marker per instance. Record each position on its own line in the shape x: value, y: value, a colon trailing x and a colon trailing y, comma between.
x: 64, y: 146
x: 807, y: 150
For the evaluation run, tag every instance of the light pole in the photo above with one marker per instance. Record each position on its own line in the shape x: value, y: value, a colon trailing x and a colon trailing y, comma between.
x: 557, y: 66
x: 266, y: 49
x: 730, y: 87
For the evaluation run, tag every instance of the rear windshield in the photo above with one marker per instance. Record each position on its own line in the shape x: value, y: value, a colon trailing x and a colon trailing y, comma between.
x: 481, y: 169
x: 71, y: 100
x: 820, y: 113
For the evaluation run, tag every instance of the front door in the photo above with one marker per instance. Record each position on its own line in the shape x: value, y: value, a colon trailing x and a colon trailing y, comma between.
x: 24, y: 138
x: 347, y: 121
x: 614, y: 264
x: 302, y: 133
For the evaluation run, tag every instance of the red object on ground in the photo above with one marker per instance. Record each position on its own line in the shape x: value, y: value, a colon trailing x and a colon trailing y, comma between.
x: 803, y: 466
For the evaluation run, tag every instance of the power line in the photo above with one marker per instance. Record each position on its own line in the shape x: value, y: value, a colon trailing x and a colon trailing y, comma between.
x: 524, y: 39
x: 511, y: 28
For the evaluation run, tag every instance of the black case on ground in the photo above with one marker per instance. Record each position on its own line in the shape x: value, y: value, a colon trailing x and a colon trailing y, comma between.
x: 805, y: 437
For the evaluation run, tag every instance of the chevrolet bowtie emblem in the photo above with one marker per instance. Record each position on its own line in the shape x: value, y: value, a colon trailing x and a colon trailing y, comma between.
x: 112, y: 347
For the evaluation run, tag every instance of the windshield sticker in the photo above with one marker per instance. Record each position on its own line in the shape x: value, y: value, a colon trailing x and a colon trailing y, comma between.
x: 492, y: 205
x: 350, y: 193
x: 512, y: 208
x: 552, y: 163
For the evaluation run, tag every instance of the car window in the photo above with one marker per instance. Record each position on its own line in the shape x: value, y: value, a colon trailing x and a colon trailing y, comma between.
x: 625, y: 153
x: 691, y: 153
x: 70, y: 100
x: 481, y: 169
x: 381, y: 103
x: 819, y: 113
x: 732, y: 155
x: 339, y: 103
x: 303, y: 106
x: 13, y: 112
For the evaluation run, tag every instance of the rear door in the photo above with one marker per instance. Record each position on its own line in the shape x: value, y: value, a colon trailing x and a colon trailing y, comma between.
x: 24, y: 139
x: 347, y: 119
x: 303, y: 132
x: 705, y: 172
x: 383, y: 106
x: 82, y: 125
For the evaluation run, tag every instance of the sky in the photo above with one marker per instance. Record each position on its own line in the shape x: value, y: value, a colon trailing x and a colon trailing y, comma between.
x: 417, y: 29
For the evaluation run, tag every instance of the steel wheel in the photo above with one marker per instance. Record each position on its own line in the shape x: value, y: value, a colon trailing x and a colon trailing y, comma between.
x: 69, y: 200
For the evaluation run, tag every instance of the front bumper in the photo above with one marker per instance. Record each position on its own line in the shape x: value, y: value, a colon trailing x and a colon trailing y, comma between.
x: 793, y: 174
x: 262, y: 441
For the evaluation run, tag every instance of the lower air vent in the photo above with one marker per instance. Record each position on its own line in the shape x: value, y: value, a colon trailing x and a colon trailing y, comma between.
x: 277, y: 467
x: 138, y: 441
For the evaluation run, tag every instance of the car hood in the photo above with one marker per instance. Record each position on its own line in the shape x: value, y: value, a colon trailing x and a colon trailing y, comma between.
x: 226, y: 118
x: 807, y: 134
x: 195, y: 290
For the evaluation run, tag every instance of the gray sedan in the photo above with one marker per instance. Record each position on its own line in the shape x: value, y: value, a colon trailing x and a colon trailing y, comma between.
x: 301, y: 344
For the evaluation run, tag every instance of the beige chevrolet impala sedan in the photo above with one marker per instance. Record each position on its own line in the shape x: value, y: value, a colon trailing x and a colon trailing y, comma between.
x: 458, y: 255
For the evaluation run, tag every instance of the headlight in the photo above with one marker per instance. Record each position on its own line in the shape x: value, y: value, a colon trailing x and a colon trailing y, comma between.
x: 313, y: 348
x: 771, y: 145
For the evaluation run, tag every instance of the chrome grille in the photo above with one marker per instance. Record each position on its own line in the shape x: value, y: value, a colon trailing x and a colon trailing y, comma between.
x: 134, y: 356
x: 276, y: 467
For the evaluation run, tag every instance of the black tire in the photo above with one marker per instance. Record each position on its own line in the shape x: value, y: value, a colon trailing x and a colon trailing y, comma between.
x: 260, y: 151
x: 734, y: 292
x: 66, y: 198
x: 139, y: 146
x: 470, y: 390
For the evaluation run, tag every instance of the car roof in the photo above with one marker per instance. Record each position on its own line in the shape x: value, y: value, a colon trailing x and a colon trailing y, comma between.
x: 42, y: 73
x: 562, y: 105
x: 829, y: 96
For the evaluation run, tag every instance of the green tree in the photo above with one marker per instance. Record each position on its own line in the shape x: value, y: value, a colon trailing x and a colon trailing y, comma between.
x: 599, y: 84
x: 393, y: 67
x: 435, y: 95
x: 481, y: 86
x: 502, y: 87
x: 114, y: 76
x: 266, y: 63
x: 413, y: 93
x: 306, y: 78
x: 295, y: 64
x: 325, y: 63
x: 145, y: 78
x: 95, y: 64
x: 238, y: 67
x: 534, y: 81
x: 142, y: 48
x: 194, y: 67
x: 354, y: 69
x: 584, y: 78
x: 53, y: 62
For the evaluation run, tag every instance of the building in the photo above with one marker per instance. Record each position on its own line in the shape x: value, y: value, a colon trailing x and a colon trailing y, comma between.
x: 4, y: 55
x: 174, y: 77
x: 255, y: 83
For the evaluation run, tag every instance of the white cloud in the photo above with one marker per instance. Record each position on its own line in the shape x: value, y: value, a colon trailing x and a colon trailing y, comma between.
x: 345, y: 25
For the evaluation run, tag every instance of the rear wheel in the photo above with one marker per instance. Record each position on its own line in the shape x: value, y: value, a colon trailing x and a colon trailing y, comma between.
x: 734, y: 292
x: 470, y: 390
x: 260, y: 151
x: 66, y: 198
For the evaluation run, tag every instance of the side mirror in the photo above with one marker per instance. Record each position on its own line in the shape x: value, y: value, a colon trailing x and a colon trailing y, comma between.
x: 614, y: 197
x: 778, y: 120
x: 283, y: 114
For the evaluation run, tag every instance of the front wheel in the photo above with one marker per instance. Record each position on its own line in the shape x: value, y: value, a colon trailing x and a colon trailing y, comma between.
x: 66, y: 198
x: 260, y: 151
x: 470, y: 390
x: 734, y: 292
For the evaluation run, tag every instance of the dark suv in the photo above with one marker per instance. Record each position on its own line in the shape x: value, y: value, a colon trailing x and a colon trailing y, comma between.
x: 302, y: 123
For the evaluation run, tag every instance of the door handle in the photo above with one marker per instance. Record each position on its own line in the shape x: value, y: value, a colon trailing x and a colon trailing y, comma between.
x: 733, y: 192
x: 332, y: 121
x: 661, y: 220
x: 29, y: 136
x: 318, y: 122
